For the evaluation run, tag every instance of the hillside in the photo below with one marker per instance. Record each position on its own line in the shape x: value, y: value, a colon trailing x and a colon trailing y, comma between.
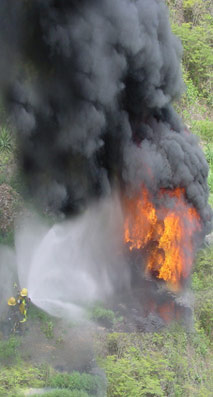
x: 114, y: 353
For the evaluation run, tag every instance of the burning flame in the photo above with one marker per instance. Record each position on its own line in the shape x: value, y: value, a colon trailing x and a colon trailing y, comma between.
x: 166, y: 232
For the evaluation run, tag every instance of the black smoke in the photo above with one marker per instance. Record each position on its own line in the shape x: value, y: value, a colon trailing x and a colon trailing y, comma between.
x: 89, y: 87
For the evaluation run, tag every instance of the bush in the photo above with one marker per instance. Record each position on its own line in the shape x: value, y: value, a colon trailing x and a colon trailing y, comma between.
x: 103, y: 316
x: 171, y: 363
x: 136, y: 374
x: 76, y: 381
x: 13, y: 379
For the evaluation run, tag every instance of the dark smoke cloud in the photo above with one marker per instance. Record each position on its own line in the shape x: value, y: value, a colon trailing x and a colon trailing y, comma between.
x: 91, y: 101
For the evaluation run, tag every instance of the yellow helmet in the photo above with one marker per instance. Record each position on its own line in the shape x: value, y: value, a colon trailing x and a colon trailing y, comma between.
x: 11, y: 301
x: 24, y: 292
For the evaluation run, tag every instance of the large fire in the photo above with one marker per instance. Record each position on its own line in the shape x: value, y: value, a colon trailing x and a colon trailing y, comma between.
x: 166, y: 232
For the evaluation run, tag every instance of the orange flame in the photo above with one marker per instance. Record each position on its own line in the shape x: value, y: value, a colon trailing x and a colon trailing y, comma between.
x: 167, y: 233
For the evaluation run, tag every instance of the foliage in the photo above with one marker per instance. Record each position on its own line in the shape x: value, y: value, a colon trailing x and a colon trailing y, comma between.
x: 13, y: 379
x: 204, y: 269
x: 136, y: 375
x: 203, y: 128
x: 48, y: 329
x: 76, y: 381
x: 209, y: 154
x: 208, y: 150
x: 5, y: 140
x: 64, y: 393
x: 195, y: 9
x: 202, y: 284
x: 9, y: 351
x: 171, y: 363
x: 103, y: 316
x: 193, y: 24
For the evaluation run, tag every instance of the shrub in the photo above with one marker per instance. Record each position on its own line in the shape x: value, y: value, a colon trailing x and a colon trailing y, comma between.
x: 76, y: 381
x: 13, y: 379
x: 170, y: 363
x: 136, y: 374
x: 103, y: 316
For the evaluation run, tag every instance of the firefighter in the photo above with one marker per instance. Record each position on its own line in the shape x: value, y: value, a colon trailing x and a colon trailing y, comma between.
x: 14, y: 315
x: 23, y: 302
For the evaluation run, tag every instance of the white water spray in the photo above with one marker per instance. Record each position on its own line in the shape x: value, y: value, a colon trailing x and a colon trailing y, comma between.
x: 73, y: 263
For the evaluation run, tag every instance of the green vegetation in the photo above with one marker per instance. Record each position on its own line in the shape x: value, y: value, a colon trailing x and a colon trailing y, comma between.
x: 102, y: 315
x: 76, y: 381
x: 5, y: 140
x: 9, y: 351
x: 208, y: 149
x: 175, y: 362
x: 16, y: 378
x: 198, y: 55
x: 64, y: 393
x: 202, y: 282
x: 171, y: 363
x: 192, y: 22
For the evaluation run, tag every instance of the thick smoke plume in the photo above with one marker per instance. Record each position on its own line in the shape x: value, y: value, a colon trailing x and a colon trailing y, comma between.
x: 90, y: 92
